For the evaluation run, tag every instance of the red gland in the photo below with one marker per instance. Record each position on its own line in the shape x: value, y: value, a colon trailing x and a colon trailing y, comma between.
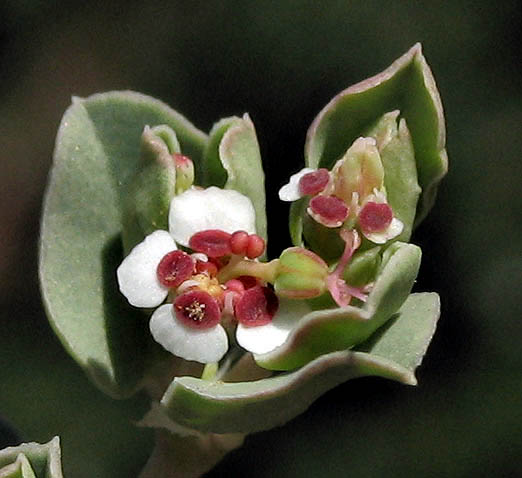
x: 197, y: 309
x: 375, y: 217
x: 208, y: 268
x: 175, y: 267
x: 257, y: 306
x: 256, y: 246
x: 330, y: 211
x: 212, y: 242
x: 314, y: 182
x: 239, y: 243
x: 181, y: 160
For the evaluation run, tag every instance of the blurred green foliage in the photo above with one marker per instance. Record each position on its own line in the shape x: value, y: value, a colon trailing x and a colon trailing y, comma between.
x: 281, y: 62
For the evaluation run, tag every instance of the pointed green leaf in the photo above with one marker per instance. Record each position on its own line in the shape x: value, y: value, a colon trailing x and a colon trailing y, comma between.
x: 324, y: 331
x: 405, y: 338
x: 32, y: 460
x: 408, y: 86
x: 234, y: 162
x: 97, y: 153
x: 147, y: 197
x: 254, y: 406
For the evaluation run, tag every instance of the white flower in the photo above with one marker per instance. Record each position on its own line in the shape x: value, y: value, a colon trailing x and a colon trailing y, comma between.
x: 265, y: 338
x: 291, y: 191
x: 193, y: 211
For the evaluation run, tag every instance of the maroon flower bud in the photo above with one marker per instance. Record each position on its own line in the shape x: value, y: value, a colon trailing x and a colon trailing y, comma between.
x: 239, y: 243
x: 256, y: 246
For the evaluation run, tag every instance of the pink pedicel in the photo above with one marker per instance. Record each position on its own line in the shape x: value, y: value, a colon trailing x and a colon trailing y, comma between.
x: 375, y: 217
x: 197, y: 309
x: 255, y: 247
x: 239, y: 243
x: 257, y: 306
x: 314, y: 182
x: 212, y: 242
x: 175, y: 268
x: 328, y: 210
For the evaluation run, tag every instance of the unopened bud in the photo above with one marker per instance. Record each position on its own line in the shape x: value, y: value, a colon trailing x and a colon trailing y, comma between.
x: 184, y: 172
x: 301, y: 274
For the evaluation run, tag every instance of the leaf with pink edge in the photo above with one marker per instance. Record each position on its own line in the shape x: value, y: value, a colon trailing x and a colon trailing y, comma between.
x: 406, y: 85
x: 339, y: 328
x: 246, y: 407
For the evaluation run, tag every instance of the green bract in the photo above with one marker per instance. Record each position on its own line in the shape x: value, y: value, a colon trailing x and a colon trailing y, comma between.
x: 114, y: 177
x: 32, y: 460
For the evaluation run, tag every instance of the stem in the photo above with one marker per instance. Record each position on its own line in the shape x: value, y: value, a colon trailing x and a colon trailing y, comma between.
x: 190, y: 456
x: 237, y: 267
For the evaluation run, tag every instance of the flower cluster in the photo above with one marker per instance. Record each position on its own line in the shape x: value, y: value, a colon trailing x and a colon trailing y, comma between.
x: 207, y: 266
x: 351, y: 195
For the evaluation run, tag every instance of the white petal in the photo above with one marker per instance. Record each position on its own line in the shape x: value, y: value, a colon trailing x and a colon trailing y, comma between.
x: 393, y: 230
x: 290, y: 191
x: 205, y: 346
x: 265, y: 338
x: 137, y: 276
x: 212, y: 208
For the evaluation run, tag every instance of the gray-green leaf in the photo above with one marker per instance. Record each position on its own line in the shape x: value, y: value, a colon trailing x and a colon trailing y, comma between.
x: 254, y: 406
x: 339, y: 328
x: 233, y: 161
x: 97, y: 153
x: 32, y: 460
x: 408, y: 86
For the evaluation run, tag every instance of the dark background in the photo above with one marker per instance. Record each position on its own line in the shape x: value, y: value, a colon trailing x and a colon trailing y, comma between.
x: 281, y: 62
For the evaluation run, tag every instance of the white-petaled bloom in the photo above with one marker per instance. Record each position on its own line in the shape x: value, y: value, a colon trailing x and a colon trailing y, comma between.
x: 265, y: 338
x: 291, y: 191
x: 191, y: 212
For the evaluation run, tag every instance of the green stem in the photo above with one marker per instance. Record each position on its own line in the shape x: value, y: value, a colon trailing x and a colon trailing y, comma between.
x: 237, y: 267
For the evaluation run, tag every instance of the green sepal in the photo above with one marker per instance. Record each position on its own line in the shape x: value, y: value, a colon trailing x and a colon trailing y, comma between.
x: 247, y: 407
x: 233, y: 161
x: 300, y: 274
x: 323, y: 331
x: 32, y: 460
x: 147, y: 198
x: 97, y: 154
x: 408, y: 86
x: 400, y: 173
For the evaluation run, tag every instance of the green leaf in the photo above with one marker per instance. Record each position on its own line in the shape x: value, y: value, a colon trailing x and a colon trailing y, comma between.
x: 148, y: 195
x: 405, y: 338
x: 324, y: 331
x: 32, y: 460
x: 407, y: 85
x: 263, y: 404
x: 97, y: 153
x: 234, y: 162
